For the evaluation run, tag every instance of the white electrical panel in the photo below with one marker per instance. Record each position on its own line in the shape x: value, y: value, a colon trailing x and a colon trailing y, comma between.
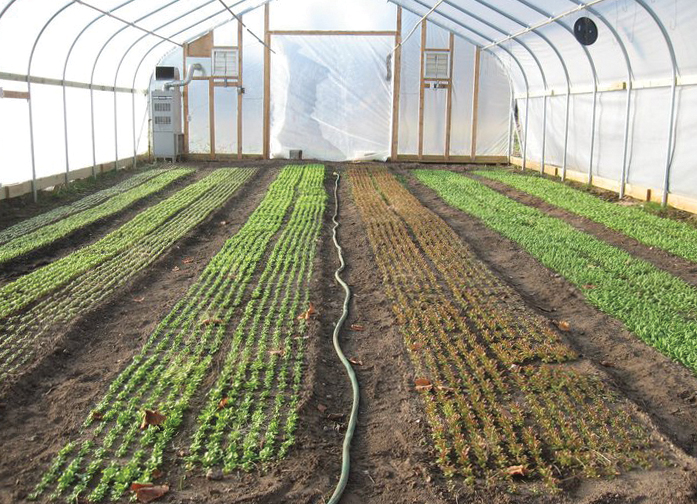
x: 166, y: 123
x: 165, y: 113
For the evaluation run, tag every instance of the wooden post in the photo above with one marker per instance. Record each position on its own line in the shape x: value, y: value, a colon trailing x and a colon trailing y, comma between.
x: 239, y: 88
x: 449, y: 99
x: 211, y: 115
x: 421, y: 90
x: 475, y: 103
x: 186, y: 104
x: 267, y: 85
x: 396, y: 88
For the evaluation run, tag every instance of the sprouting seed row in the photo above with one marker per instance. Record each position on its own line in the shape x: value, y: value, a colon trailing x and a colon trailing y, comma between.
x: 21, y: 331
x: 32, y: 286
x: 111, y: 452
x: 29, y: 225
x: 48, y: 234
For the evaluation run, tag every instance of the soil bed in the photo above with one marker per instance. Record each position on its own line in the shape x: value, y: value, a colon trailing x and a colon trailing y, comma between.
x: 392, y: 456
x: 665, y: 390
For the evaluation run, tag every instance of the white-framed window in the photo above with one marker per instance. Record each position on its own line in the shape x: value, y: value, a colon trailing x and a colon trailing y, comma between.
x: 437, y: 64
x: 224, y: 62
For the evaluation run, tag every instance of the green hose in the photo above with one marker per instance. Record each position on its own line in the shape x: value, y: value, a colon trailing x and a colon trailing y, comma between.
x: 346, y: 455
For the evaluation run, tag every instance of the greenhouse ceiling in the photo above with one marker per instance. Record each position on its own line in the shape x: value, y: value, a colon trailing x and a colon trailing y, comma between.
x: 113, y: 45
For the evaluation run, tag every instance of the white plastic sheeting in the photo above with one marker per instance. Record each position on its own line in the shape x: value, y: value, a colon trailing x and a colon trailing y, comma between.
x: 646, y: 30
x: 330, y: 97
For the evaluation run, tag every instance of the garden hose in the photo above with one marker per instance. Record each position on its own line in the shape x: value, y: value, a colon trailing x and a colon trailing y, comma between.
x: 346, y: 454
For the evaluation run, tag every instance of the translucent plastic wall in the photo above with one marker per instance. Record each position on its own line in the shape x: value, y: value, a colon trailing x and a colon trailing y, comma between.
x: 627, y: 123
x: 105, y: 52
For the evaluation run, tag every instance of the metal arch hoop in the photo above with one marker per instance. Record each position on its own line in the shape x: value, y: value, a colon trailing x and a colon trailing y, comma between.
x: 94, y: 68
x: 135, y: 73
x: 673, y: 93
x: 532, y: 54
x: 31, y: 114
x: 65, y: 70
x: 630, y: 78
x: 503, y: 65
x: 594, y: 71
x: 563, y: 64
x: 118, y: 69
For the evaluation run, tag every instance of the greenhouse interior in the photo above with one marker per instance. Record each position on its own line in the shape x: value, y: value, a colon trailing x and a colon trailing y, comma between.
x: 366, y: 251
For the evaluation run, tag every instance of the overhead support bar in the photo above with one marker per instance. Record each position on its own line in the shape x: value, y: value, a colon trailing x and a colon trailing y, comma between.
x: 59, y: 82
x: 546, y: 22
x: 133, y: 25
x: 239, y: 20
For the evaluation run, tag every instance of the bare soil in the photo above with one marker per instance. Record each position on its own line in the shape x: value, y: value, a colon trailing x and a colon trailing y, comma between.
x: 391, y: 454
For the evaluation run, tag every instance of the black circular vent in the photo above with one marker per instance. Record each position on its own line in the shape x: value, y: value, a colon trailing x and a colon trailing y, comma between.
x: 586, y: 31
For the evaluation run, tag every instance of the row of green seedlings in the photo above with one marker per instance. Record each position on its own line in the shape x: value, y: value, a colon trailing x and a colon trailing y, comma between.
x: 22, y: 330
x: 653, y: 304
x: 480, y: 430
x: 50, y: 233
x: 43, y: 219
x: 112, y: 450
x: 32, y: 286
x: 242, y: 422
x: 676, y: 237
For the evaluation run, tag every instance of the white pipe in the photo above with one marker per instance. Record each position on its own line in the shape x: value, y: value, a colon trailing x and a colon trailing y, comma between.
x: 189, y: 76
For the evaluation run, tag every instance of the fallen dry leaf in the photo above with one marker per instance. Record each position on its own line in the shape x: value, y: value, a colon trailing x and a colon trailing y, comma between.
x: 188, y: 260
x: 223, y: 402
x: 357, y: 327
x: 277, y: 352
x: 175, y: 269
x: 335, y: 416
x: 589, y: 286
x: 156, y: 474
x: 416, y: 346
x: 321, y: 408
x: 97, y: 415
x: 139, y: 299
x: 210, y: 321
x: 137, y: 486
x: 517, y: 470
x: 147, y: 492
x: 606, y: 363
x: 423, y: 384
x: 151, y: 417
x: 307, y: 314
x: 445, y: 389
x: 356, y: 361
x: 564, y: 325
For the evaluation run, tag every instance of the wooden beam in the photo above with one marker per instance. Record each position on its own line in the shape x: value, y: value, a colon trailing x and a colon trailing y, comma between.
x: 335, y: 32
x: 21, y: 95
x: 454, y: 159
x: 397, y: 86
x: 211, y: 116
x: 475, y: 102
x: 201, y: 47
x: 421, y: 90
x: 185, y: 98
x: 267, y: 84
x: 239, y: 94
x: 449, y: 100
